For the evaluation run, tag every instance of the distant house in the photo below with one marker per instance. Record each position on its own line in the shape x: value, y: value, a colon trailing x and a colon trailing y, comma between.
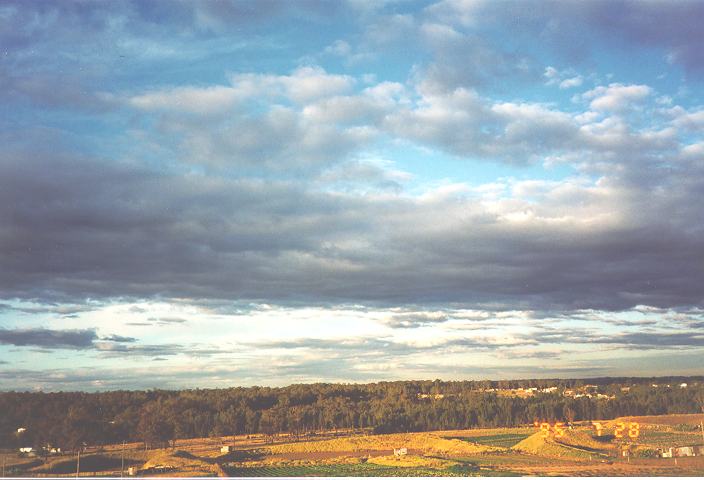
x: 21, y: 430
x: 681, y: 452
x: 28, y: 451
x: 398, y: 452
x: 436, y: 396
x: 225, y: 449
x: 684, y: 452
x: 683, y: 385
x: 51, y: 450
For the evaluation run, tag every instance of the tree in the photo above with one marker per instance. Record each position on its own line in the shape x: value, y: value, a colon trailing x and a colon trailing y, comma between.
x: 154, y: 428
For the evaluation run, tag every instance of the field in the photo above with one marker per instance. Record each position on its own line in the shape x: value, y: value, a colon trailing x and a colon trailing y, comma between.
x: 485, y: 452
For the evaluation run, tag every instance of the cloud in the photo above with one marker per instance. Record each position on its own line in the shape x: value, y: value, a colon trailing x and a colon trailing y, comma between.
x: 571, y: 82
x: 166, y: 320
x: 563, y: 80
x: 617, y: 97
x: 258, y: 122
x: 41, y: 337
x: 415, y: 320
x: 118, y: 338
x: 74, y: 339
x: 339, y: 48
x: 65, y: 310
x: 202, y: 101
x: 620, y: 241
x: 630, y: 340
x: 259, y: 188
x: 576, y: 30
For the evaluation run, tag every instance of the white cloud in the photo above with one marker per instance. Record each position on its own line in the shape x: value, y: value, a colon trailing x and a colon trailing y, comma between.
x: 458, y: 12
x: 201, y: 101
x: 690, y: 120
x: 617, y: 97
x: 563, y: 79
x: 339, y: 48
x: 571, y: 82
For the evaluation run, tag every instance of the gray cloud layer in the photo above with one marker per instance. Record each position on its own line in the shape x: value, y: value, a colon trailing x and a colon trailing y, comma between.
x: 41, y: 337
x: 97, y: 229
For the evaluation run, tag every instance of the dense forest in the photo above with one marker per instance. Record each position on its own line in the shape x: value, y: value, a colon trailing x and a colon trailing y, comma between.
x: 72, y: 419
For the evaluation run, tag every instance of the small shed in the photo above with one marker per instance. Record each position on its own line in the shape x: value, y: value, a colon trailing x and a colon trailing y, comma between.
x: 225, y: 449
x: 681, y: 452
x: 684, y: 452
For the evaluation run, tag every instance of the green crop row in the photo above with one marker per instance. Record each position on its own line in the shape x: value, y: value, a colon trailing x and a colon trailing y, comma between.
x: 356, y: 470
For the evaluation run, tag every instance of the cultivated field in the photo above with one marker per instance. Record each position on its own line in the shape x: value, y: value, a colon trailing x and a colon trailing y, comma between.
x: 486, y: 452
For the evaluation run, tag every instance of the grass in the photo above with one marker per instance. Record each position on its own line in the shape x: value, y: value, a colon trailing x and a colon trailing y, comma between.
x: 411, y: 461
x: 663, y: 439
x: 360, y: 470
x: 506, y: 459
x: 504, y: 440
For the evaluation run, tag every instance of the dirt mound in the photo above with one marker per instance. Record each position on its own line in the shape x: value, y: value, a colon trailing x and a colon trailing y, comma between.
x: 423, y: 442
x: 547, y: 447
x: 89, y: 463
x: 183, y: 463
x: 585, y: 440
x: 674, y: 419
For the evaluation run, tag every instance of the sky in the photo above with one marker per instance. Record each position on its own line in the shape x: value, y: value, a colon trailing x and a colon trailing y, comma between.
x: 214, y: 194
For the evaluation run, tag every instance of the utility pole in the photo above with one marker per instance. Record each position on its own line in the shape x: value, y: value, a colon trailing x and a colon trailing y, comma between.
x: 78, y: 463
x: 122, y: 465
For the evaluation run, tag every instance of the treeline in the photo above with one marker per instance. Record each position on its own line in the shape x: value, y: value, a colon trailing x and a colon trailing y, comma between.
x: 73, y: 419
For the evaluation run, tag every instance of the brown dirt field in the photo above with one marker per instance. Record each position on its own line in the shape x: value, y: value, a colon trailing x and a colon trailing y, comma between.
x: 427, y: 442
x: 336, y: 454
x: 687, y: 419
x: 690, y: 466
x: 182, y: 463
